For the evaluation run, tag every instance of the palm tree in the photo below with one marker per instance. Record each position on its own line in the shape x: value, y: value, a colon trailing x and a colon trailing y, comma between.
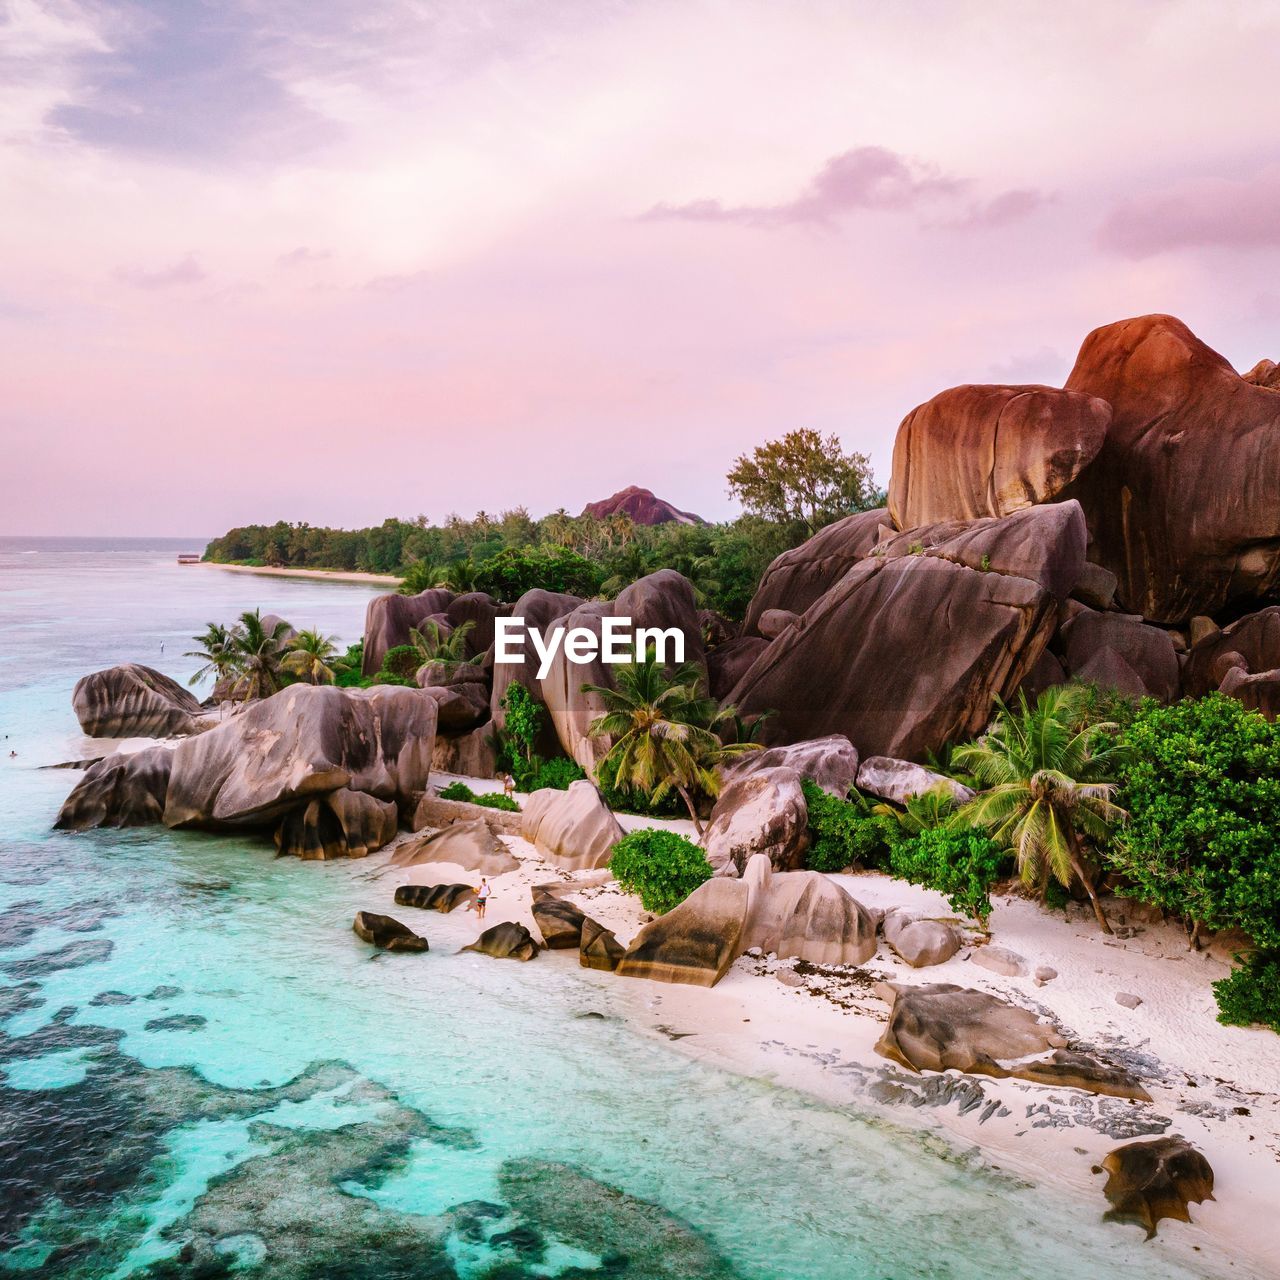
x: 259, y: 656
x: 1048, y: 778
x: 217, y: 652
x: 663, y: 731
x: 933, y: 808
x: 309, y: 656
x: 449, y: 648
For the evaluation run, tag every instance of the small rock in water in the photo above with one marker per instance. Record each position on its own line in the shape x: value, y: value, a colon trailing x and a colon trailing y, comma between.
x: 387, y: 933
x: 507, y: 941
x: 177, y: 1022
x: 1128, y: 999
x: 1001, y: 960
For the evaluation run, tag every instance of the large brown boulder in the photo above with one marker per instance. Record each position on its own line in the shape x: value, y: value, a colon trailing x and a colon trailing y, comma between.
x: 729, y: 662
x: 831, y: 762
x: 1259, y: 691
x: 506, y: 941
x: 470, y: 844
x: 900, y: 780
x: 123, y: 790
x: 341, y: 824
x: 696, y: 942
x: 387, y: 933
x: 598, y: 948
x: 133, y: 701
x: 388, y: 620
x: 480, y: 609
x: 796, y: 578
x: 991, y: 450
x: 435, y: 897
x: 1255, y: 639
x: 1183, y: 499
x: 1159, y: 1178
x: 304, y: 741
x: 761, y: 813
x: 573, y: 829
x: 1092, y: 643
x: 921, y: 943
x: 559, y: 921
x: 901, y: 656
x: 461, y: 693
x: 470, y: 754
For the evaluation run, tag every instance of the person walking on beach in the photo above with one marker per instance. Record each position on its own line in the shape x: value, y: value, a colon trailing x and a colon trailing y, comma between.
x: 482, y: 896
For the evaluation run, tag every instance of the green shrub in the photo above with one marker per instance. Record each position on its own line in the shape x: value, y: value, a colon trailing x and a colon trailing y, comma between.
x: 458, y: 791
x: 1252, y: 993
x: 417, y: 578
x: 961, y: 863
x: 515, y: 570
x: 843, y: 833
x: 1202, y: 787
x: 662, y: 867
x: 557, y: 774
x: 629, y: 800
x: 400, y: 665
x: 486, y: 799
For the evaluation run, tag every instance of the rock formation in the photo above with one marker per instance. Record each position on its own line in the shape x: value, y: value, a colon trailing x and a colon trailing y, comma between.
x: 573, y: 829
x: 471, y: 845
x: 921, y: 943
x: 480, y: 609
x: 435, y: 897
x: 830, y: 762
x: 133, y: 701
x: 461, y: 693
x: 899, y: 780
x: 696, y: 942
x: 598, y: 948
x: 387, y: 933
x: 123, y: 790
x: 729, y: 662
x: 1250, y: 645
x: 340, y: 824
x: 1158, y: 1179
x: 1115, y: 649
x: 506, y: 941
x: 642, y: 505
x: 763, y: 812
x: 389, y: 619
x: 991, y: 450
x: 560, y: 922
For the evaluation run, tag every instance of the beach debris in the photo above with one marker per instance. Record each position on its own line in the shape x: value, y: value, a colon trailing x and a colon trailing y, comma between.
x: 920, y: 943
x: 1156, y: 1179
x: 506, y: 941
x: 341, y: 824
x: 573, y: 829
x: 435, y: 897
x: 387, y: 933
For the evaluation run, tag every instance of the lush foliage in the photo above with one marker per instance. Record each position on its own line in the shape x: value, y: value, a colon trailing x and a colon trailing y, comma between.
x: 510, y: 573
x: 1202, y: 786
x: 486, y: 799
x: 449, y: 648
x: 554, y: 774
x: 400, y: 665
x: 311, y: 658
x: 1049, y: 779
x: 843, y: 833
x: 662, y: 867
x: 804, y: 477
x: 962, y: 863
x: 248, y: 658
x: 663, y: 728
x: 1251, y: 994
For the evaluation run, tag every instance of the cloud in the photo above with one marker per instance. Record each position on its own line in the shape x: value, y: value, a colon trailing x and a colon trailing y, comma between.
x: 864, y: 178
x: 186, y: 271
x: 302, y: 255
x: 1207, y: 212
x: 999, y: 211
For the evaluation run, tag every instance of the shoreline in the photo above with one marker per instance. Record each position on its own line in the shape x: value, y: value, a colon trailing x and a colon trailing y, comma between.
x: 325, y: 575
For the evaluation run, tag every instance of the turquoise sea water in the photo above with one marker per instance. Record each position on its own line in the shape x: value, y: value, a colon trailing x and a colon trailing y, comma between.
x: 206, y: 1073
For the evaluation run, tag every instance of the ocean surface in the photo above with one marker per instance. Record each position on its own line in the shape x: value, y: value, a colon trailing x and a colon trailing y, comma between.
x: 206, y: 1073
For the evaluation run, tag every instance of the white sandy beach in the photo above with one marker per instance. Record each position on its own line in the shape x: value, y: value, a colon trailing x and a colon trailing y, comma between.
x: 815, y: 1032
x: 328, y: 575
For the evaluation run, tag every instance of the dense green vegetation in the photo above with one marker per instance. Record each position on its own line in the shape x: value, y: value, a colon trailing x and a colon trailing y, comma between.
x: 250, y: 659
x: 788, y: 489
x: 662, y: 867
x: 486, y: 799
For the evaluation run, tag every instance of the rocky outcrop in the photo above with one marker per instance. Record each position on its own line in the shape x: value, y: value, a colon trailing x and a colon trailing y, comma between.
x: 773, y: 622
x: 435, y: 897
x: 304, y: 741
x: 470, y: 754
x: 598, y: 948
x: 461, y: 694
x: 559, y: 921
x: 1160, y: 1178
x: 341, y: 824
x: 506, y: 941
x: 991, y: 450
x: 573, y: 829
x: 1183, y: 499
x: 901, y: 656
x: 642, y: 505
x: 1259, y: 691
x: 729, y: 662
x: 796, y: 914
x: 480, y: 609
x: 133, y: 701
x: 387, y: 933
x: 796, y: 578
x: 471, y: 845
x: 389, y: 619
x: 1116, y: 649
x: 1250, y: 645
x: 831, y: 762
x: 122, y: 790
x: 899, y: 780
x: 921, y: 943
x: 764, y: 812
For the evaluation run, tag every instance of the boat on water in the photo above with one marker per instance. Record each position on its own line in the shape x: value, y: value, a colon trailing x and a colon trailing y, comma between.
x: 188, y: 557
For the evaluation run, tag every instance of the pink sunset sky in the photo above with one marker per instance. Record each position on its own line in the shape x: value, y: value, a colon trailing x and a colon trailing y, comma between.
x: 334, y: 260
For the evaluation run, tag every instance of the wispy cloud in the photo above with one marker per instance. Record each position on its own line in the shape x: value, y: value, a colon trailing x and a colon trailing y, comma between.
x: 1208, y: 212
x: 1000, y: 211
x: 186, y: 271
x: 302, y: 256
x: 864, y: 178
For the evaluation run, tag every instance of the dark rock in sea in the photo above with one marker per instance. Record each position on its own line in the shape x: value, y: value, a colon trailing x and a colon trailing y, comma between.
x: 341, y: 824
x: 133, y: 701
x: 506, y: 941
x: 122, y: 790
x: 598, y: 948
x: 166, y: 991
x: 1158, y: 1179
x: 560, y: 922
x: 1186, y: 430
x: 177, y: 1022
x: 642, y: 505
x: 109, y: 999
x: 387, y: 933
x: 435, y: 897
x: 74, y: 955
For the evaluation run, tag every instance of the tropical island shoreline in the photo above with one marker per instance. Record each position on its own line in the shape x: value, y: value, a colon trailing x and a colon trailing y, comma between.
x: 325, y: 575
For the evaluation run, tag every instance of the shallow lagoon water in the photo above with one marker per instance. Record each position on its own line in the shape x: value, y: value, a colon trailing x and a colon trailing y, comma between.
x: 207, y: 1073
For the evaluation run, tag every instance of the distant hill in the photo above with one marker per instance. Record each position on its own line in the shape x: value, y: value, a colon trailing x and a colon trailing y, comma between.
x: 642, y: 505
